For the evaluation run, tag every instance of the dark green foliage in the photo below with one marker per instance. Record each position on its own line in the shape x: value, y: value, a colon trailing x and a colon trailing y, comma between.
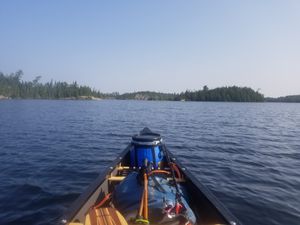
x: 289, y: 98
x: 227, y: 94
x: 12, y: 86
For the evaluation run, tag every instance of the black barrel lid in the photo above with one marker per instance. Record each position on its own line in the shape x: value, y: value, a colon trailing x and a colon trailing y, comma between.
x: 146, y: 137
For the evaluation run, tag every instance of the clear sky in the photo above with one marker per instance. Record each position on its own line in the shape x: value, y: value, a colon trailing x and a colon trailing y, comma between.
x: 159, y: 45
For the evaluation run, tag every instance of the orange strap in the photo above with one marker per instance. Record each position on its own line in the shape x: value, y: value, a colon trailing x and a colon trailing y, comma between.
x: 106, y: 197
x: 176, y: 170
x: 159, y: 171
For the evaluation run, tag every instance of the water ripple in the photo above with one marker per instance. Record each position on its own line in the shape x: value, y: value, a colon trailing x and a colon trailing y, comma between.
x: 248, y: 155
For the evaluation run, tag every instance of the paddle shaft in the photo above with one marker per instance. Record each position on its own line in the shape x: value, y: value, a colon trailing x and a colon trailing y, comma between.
x: 145, y: 196
x: 143, y: 211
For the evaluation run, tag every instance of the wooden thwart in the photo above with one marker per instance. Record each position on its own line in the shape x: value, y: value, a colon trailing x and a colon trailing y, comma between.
x: 116, y: 178
x: 104, y: 216
x: 123, y: 168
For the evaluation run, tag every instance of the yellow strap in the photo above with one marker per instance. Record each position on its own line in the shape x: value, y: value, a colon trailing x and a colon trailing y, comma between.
x: 142, y: 221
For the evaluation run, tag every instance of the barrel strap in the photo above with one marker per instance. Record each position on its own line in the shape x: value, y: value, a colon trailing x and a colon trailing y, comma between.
x: 153, y: 156
x: 136, y: 156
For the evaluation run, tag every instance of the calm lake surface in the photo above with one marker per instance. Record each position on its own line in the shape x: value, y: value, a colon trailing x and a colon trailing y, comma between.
x: 247, y: 154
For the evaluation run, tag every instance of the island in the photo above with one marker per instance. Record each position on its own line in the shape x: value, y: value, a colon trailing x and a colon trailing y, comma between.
x: 13, y: 87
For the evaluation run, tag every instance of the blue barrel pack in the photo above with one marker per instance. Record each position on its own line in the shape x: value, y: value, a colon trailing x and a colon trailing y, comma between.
x: 146, y: 145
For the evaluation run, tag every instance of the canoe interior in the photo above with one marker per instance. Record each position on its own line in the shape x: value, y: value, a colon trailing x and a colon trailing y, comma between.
x: 208, y: 210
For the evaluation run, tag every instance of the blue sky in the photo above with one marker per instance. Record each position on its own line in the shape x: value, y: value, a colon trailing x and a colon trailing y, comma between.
x: 167, y: 45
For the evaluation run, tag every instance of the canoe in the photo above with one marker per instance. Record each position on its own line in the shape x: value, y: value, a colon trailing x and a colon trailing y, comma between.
x: 146, y: 184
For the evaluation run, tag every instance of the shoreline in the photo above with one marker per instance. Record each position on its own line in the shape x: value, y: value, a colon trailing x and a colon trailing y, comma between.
x: 91, y: 98
x: 140, y: 100
x: 2, y: 97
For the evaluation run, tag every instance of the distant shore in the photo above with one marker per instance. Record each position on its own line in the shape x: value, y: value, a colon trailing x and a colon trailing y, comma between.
x: 155, y: 96
x: 91, y: 98
x: 13, y: 87
x: 82, y: 98
x: 2, y: 97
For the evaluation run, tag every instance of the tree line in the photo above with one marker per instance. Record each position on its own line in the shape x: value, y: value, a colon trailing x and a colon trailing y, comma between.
x: 227, y: 94
x: 289, y: 98
x: 13, y: 86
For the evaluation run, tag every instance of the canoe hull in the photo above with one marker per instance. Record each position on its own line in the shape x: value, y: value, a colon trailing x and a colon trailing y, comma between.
x: 205, y: 205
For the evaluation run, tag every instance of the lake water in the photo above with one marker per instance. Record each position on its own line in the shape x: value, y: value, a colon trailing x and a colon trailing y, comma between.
x: 247, y: 154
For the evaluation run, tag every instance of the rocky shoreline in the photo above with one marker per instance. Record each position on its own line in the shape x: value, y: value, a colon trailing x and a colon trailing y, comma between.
x: 81, y: 98
x: 2, y: 97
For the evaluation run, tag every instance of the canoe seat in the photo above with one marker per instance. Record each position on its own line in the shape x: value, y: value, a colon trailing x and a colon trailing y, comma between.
x: 123, y: 168
x: 104, y: 216
x: 116, y: 178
